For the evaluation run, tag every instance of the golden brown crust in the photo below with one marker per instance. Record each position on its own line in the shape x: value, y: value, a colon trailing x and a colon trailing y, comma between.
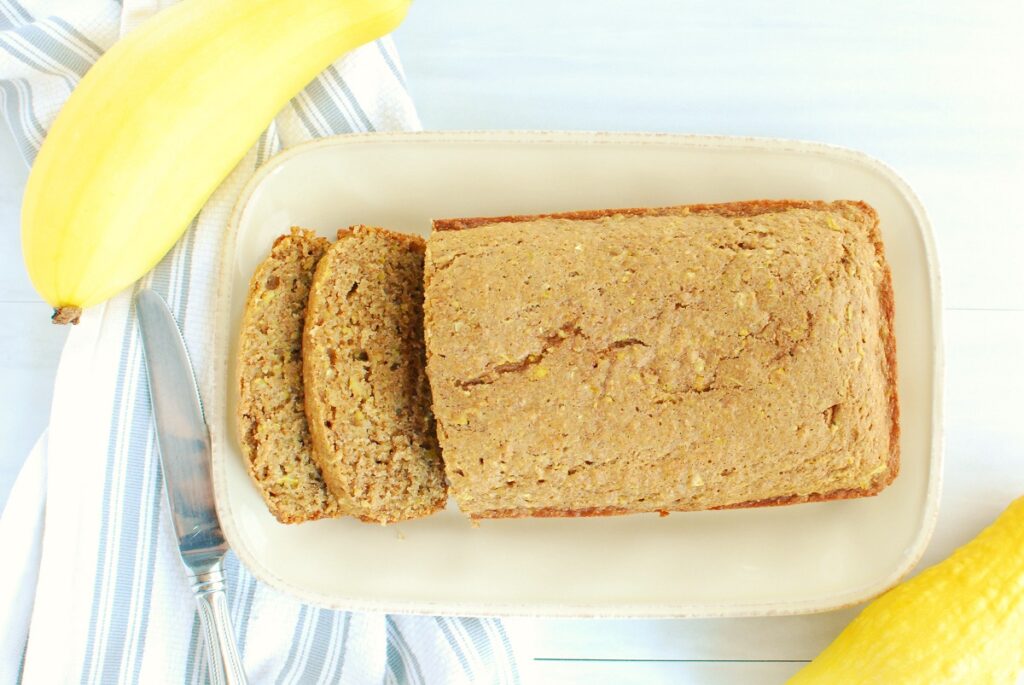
x: 753, y: 208
x: 317, y: 432
x: 739, y: 209
x: 887, y: 303
x: 728, y: 209
x: 414, y: 243
x: 621, y: 511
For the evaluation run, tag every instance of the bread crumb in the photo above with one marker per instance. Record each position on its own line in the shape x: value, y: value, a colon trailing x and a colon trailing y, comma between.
x: 272, y: 426
x: 382, y: 464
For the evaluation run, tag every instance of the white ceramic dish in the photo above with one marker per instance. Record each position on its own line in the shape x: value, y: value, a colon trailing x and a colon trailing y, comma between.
x: 786, y: 560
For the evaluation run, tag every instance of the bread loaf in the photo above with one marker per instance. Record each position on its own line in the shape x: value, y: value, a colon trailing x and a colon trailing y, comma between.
x: 655, y: 360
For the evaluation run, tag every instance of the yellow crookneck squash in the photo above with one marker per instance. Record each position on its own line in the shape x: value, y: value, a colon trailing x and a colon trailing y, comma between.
x: 960, y: 622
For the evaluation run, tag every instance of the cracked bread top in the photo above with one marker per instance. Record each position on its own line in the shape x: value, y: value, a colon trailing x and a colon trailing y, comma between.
x: 679, y: 358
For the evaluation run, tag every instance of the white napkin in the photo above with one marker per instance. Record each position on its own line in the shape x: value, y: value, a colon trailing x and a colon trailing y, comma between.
x: 93, y: 579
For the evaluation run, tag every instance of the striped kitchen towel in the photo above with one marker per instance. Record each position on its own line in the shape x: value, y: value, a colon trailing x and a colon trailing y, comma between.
x: 91, y: 586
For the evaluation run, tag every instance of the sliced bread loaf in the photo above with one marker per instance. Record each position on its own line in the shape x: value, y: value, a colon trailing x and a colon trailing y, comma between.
x: 271, y: 420
x: 367, y: 398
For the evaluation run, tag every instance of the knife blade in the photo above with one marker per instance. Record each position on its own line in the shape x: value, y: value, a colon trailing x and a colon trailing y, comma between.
x: 184, y: 442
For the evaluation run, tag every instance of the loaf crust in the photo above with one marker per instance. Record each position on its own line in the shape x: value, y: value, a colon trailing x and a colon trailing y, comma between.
x: 862, y: 214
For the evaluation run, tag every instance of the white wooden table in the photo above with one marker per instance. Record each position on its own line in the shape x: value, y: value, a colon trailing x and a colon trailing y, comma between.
x: 932, y: 88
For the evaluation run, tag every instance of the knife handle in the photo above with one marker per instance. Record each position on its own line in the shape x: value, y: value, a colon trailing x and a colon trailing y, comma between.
x: 222, y: 652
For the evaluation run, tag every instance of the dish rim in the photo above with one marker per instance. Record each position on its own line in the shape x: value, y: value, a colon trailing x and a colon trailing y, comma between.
x: 221, y: 373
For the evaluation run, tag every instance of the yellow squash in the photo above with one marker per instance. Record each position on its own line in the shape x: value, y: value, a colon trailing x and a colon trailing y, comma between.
x: 159, y: 121
x: 961, y: 621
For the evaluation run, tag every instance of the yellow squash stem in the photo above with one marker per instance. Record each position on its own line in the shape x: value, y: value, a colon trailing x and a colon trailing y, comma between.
x: 159, y: 121
x: 961, y: 621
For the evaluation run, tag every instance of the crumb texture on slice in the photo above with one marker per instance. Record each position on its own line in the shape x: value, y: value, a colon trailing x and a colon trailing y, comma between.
x: 367, y: 397
x: 271, y: 419
x: 671, y: 359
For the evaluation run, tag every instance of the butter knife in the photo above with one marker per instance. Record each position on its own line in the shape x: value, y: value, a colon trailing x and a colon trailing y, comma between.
x: 184, y: 442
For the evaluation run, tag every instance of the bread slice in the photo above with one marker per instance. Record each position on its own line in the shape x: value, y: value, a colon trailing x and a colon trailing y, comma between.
x: 367, y: 397
x: 668, y: 359
x: 271, y: 420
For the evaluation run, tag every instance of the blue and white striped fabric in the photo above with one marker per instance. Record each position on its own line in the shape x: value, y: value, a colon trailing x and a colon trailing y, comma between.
x: 95, y: 590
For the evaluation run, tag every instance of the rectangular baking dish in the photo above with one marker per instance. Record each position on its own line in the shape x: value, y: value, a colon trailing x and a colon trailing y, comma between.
x: 772, y: 561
